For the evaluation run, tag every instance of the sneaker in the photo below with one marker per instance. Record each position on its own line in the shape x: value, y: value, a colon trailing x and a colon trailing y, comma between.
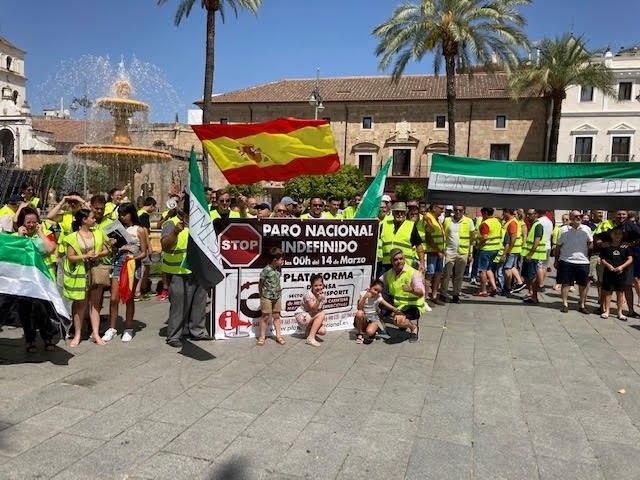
x: 455, y: 299
x: 127, y: 336
x: 312, y: 341
x: 474, y: 281
x: 175, y: 343
x: 163, y: 295
x: 413, y: 337
x: 109, y: 334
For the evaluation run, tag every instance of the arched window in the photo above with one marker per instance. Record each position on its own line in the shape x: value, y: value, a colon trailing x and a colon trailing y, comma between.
x: 7, y: 145
x: 9, y: 60
x: 7, y: 93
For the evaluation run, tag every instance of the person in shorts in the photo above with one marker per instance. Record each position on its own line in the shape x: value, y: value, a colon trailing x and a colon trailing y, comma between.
x: 618, y: 272
x: 310, y: 314
x: 572, y: 259
x: 368, y: 319
x: 270, y: 296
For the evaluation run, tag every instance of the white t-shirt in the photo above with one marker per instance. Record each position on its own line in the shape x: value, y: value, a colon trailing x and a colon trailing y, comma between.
x: 6, y: 223
x: 453, y: 235
x: 574, y: 244
x: 371, y: 305
x: 547, y: 226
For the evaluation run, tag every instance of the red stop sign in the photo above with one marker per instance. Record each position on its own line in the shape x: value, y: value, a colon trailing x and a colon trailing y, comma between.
x: 240, y: 245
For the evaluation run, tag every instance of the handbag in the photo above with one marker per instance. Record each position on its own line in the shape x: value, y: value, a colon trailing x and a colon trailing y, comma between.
x: 100, y: 275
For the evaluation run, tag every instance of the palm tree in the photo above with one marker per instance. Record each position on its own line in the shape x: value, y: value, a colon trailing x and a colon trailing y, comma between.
x: 561, y: 62
x: 458, y: 30
x: 212, y: 8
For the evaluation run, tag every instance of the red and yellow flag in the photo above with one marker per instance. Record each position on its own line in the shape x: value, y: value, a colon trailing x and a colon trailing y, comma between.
x: 277, y: 150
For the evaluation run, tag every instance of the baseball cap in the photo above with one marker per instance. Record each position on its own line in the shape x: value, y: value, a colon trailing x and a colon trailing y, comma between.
x: 386, y: 198
x: 449, y: 207
x: 288, y: 201
x: 263, y: 206
x: 15, y: 199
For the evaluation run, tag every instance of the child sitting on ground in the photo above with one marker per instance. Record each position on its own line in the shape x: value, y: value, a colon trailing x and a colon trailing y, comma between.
x: 369, y: 315
x: 270, y: 293
x: 310, y: 313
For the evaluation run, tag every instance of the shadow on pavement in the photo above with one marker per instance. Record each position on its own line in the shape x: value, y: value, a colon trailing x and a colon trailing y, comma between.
x: 193, y: 351
x: 13, y: 351
x: 236, y: 468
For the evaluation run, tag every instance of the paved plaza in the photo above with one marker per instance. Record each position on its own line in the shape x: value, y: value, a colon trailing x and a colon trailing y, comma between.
x: 493, y: 390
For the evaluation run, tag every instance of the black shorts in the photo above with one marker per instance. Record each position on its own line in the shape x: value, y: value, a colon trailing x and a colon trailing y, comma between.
x: 616, y: 282
x: 411, y: 312
x: 568, y: 273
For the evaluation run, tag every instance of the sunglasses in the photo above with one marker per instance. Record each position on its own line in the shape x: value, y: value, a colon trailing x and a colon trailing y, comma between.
x: 281, y: 210
x: 458, y: 209
x: 224, y: 201
x: 316, y: 205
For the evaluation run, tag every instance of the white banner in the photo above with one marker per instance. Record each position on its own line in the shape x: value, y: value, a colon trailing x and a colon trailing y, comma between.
x: 622, y: 187
x: 347, y: 264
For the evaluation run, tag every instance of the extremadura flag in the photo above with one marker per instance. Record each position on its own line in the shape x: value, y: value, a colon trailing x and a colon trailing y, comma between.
x: 277, y: 150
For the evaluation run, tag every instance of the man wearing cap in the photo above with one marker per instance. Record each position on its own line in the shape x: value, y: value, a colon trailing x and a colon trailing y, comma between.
x: 264, y: 210
x: 386, y: 200
x: 8, y: 213
x: 403, y: 234
x: 290, y: 204
x: 406, y: 289
x: 223, y: 209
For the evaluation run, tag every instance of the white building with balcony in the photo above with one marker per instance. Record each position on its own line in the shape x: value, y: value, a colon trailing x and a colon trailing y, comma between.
x: 16, y: 130
x: 598, y: 128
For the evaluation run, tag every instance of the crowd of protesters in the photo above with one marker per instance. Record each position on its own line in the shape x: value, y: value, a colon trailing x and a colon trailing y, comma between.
x: 425, y: 253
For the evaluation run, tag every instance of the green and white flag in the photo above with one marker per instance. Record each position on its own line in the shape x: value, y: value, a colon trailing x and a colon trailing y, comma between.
x: 476, y: 182
x: 370, y: 203
x: 23, y: 273
x: 203, y: 251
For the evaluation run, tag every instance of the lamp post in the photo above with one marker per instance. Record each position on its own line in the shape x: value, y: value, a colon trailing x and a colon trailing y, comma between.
x: 315, y: 99
x: 86, y: 104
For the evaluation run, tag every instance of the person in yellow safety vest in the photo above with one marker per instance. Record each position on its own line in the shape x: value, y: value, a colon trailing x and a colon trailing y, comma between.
x: 534, y: 251
x: 554, y: 241
x: 63, y: 214
x: 33, y: 316
x: 223, y: 210
x: 490, y: 233
x: 316, y: 209
x: 333, y: 205
x: 144, y: 216
x: 459, y: 234
x: 403, y: 234
x: 511, y: 253
x: 114, y: 199
x: 8, y: 214
x: 383, y: 216
x: 26, y: 190
x: 434, y: 246
x: 350, y: 211
x: 405, y: 286
x: 83, y: 248
x: 188, y: 300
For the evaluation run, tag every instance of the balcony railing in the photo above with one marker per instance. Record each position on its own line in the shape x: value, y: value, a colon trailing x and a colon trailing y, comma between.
x: 620, y: 157
x: 583, y: 158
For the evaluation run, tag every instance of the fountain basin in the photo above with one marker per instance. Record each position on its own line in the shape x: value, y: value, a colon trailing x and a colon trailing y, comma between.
x: 122, y: 104
x: 102, y: 153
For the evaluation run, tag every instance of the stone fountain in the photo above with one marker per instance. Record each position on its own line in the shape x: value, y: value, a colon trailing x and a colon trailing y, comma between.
x: 120, y: 154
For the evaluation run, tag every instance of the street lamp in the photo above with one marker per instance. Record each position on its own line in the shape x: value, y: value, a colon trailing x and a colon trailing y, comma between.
x: 84, y: 103
x: 315, y: 99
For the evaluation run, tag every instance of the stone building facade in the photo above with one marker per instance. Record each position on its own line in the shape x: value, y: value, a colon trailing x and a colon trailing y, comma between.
x: 373, y: 119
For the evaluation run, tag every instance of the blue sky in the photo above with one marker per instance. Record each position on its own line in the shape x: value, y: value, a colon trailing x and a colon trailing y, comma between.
x: 289, y: 39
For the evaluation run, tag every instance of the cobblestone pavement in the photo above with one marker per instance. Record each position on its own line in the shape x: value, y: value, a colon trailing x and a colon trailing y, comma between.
x: 493, y: 390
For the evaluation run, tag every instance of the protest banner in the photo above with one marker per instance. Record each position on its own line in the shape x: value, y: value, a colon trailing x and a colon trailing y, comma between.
x: 342, y: 251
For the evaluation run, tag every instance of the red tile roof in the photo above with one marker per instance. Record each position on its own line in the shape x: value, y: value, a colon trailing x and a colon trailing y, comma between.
x: 63, y: 130
x: 380, y: 88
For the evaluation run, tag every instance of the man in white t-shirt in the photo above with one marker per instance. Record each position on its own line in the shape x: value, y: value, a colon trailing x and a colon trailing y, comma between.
x: 572, y: 259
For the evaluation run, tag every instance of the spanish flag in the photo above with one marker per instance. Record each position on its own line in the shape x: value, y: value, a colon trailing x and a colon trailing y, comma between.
x: 277, y: 150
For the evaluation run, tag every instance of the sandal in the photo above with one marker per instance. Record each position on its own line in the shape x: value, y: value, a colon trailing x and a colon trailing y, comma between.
x: 481, y: 294
x: 359, y: 339
x: 260, y: 342
x: 31, y: 348
x: 280, y: 340
x: 622, y: 318
x: 604, y: 315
